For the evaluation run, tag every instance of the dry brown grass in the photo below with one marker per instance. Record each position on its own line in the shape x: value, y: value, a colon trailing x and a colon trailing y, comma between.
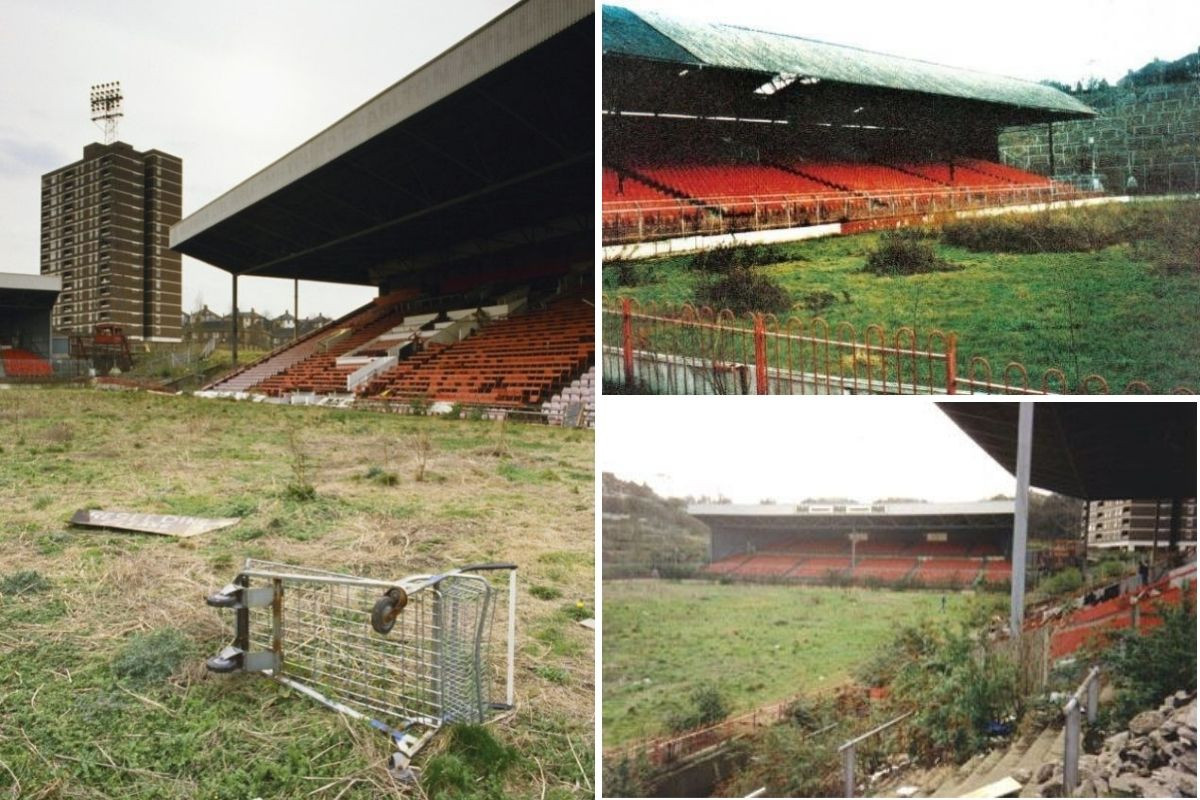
x: 528, y: 501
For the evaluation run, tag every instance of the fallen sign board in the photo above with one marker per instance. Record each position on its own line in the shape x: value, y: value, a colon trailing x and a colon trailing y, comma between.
x: 1005, y: 787
x: 166, y: 524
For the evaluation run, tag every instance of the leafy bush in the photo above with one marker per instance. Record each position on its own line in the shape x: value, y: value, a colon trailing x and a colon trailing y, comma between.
x: 627, y: 777
x: 793, y: 763
x: 905, y: 252
x: 732, y: 257
x: 817, y: 301
x: 625, y: 273
x: 743, y: 290
x: 151, y: 657
x: 1167, y: 236
x: 708, y: 707
x: 1063, y: 582
x: 957, y: 686
x: 1111, y: 568
x: 676, y: 572
x: 1147, y: 666
x: 1042, y: 232
x: 810, y: 713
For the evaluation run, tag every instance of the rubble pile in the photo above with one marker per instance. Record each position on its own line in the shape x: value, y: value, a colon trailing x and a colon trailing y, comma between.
x: 1155, y: 757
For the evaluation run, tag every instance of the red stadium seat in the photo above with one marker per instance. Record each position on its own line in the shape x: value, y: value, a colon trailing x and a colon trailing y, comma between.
x: 20, y: 363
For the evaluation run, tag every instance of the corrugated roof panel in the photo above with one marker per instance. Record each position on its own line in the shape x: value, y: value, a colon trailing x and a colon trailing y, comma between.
x: 732, y: 47
x: 626, y: 33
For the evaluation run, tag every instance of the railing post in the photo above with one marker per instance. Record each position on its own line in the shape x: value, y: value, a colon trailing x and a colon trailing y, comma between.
x: 627, y: 339
x: 848, y: 772
x: 1071, y: 749
x: 760, y: 354
x: 1093, y: 695
x: 951, y: 363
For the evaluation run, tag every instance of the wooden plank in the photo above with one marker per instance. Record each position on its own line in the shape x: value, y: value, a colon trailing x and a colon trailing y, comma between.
x: 164, y: 524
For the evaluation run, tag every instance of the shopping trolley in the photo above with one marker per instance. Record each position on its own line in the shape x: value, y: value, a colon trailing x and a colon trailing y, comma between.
x: 407, y: 656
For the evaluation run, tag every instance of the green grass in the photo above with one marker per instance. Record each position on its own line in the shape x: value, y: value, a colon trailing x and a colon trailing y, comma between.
x: 1104, y: 312
x: 756, y: 644
x: 103, y: 692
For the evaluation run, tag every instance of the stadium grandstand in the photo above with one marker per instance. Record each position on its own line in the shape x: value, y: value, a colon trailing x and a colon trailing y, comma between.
x: 464, y: 192
x: 25, y: 334
x: 934, y: 544
x: 711, y: 128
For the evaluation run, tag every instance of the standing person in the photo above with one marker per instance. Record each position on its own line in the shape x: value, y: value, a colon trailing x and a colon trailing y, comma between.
x: 1144, y: 572
x: 1131, y: 185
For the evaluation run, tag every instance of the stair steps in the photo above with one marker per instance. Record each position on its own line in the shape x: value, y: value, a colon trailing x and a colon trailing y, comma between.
x: 1001, y: 763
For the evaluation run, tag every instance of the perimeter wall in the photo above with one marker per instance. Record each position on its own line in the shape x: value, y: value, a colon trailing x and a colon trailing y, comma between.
x: 1151, y: 132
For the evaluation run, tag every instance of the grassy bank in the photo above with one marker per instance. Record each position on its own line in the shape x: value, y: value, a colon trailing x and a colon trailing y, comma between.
x: 103, y: 635
x: 755, y: 644
x: 1120, y: 311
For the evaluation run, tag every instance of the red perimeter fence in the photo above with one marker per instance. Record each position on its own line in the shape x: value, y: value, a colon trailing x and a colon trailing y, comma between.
x: 688, y: 350
x: 668, y: 749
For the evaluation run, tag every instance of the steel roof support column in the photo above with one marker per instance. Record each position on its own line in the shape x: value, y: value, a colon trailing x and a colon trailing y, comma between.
x: 233, y: 342
x: 1050, y: 136
x: 1021, y: 515
x: 1087, y: 519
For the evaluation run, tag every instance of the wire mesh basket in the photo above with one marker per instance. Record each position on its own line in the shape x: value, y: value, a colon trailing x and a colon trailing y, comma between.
x: 408, y: 655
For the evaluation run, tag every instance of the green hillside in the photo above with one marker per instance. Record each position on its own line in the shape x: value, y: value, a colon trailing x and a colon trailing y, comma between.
x: 643, y: 532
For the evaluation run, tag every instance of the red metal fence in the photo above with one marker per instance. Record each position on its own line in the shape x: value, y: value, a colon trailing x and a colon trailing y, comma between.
x: 669, y: 749
x: 687, y: 350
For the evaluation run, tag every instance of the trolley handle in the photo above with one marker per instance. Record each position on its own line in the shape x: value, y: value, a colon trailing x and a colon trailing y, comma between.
x: 487, y: 567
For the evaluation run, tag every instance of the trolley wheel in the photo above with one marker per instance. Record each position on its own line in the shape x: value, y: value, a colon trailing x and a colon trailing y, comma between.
x: 387, y: 608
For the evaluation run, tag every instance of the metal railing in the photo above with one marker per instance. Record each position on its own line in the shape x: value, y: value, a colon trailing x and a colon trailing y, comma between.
x: 669, y: 749
x: 689, y: 350
x: 848, y: 748
x: 626, y: 221
x: 698, y: 351
x: 1090, y: 688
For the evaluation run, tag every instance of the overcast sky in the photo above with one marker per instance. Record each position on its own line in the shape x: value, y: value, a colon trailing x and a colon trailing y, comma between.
x: 227, y: 86
x: 1063, y: 40
x: 785, y: 450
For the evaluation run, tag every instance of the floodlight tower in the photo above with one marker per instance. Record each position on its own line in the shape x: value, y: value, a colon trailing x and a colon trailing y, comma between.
x: 106, y: 108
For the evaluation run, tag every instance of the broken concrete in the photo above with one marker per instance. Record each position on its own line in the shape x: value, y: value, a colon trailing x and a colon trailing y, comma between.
x: 1155, y: 757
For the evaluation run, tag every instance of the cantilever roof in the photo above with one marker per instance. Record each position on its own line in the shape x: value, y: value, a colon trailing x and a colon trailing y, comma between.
x: 484, y: 148
x: 654, y: 36
x: 1093, y: 451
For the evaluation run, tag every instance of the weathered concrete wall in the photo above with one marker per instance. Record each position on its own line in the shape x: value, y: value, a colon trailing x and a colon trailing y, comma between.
x: 1152, y: 133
